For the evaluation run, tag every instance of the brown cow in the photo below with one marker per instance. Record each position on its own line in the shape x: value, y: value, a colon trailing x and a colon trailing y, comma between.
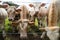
x: 39, y: 10
x: 24, y: 21
x: 53, y: 29
x: 3, y: 16
x: 11, y: 13
x: 52, y: 20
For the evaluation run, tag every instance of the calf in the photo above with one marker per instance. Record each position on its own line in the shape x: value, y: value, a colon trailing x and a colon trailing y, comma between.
x: 3, y: 16
x: 23, y: 24
x: 53, y: 16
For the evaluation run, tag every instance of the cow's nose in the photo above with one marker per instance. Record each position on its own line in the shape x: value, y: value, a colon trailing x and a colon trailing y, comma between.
x: 10, y: 19
x: 37, y: 12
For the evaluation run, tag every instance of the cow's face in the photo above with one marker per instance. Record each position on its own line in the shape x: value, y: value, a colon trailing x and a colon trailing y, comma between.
x: 37, y: 8
x: 34, y: 8
x: 11, y: 13
x: 31, y: 9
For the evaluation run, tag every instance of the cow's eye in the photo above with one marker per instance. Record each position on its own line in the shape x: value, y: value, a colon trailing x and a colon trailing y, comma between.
x: 16, y: 10
x: 45, y: 7
x: 29, y: 11
x: 39, y: 8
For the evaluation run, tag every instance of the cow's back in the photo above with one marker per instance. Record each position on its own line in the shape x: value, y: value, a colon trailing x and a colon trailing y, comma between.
x: 57, y: 4
x: 54, y: 12
x: 3, y: 13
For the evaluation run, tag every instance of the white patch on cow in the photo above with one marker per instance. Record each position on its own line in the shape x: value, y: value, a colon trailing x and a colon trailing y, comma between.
x: 3, y: 13
x: 3, y: 16
x: 43, y: 10
x: 53, y: 34
x: 32, y: 11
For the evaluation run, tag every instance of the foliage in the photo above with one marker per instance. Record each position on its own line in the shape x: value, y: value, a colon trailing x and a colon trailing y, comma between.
x: 36, y: 22
x: 11, y: 3
x: 7, y: 25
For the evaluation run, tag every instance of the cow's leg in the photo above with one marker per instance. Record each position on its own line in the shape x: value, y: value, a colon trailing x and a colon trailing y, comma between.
x: 1, y: 35
x: 32, y: 18
x: 3, y: 30
x: 20, y: 28
x: 42, y: 23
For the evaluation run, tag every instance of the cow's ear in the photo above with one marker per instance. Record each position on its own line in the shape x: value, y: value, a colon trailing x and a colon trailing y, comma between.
x: 43, y: 4
x: 31, y: 5
x: 18, y: 10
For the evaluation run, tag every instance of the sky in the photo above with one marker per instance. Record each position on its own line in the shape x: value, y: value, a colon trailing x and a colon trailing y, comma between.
x: 27, y: 1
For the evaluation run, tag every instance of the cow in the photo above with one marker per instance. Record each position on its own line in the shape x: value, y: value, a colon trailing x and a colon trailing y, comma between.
x: 13, y: 16
x: 53, y: 19
x: 39, y: 10
x: 11, y: 11
x: 19, y: 17
x: 24, y: 13
x: 3, y: 16
x: 23, y: 21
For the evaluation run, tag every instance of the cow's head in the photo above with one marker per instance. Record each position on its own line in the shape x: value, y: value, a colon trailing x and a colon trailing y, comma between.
x: 38, y: 10
x: 11, y: 13
x: 31, y: 9
x: 35, y: 8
